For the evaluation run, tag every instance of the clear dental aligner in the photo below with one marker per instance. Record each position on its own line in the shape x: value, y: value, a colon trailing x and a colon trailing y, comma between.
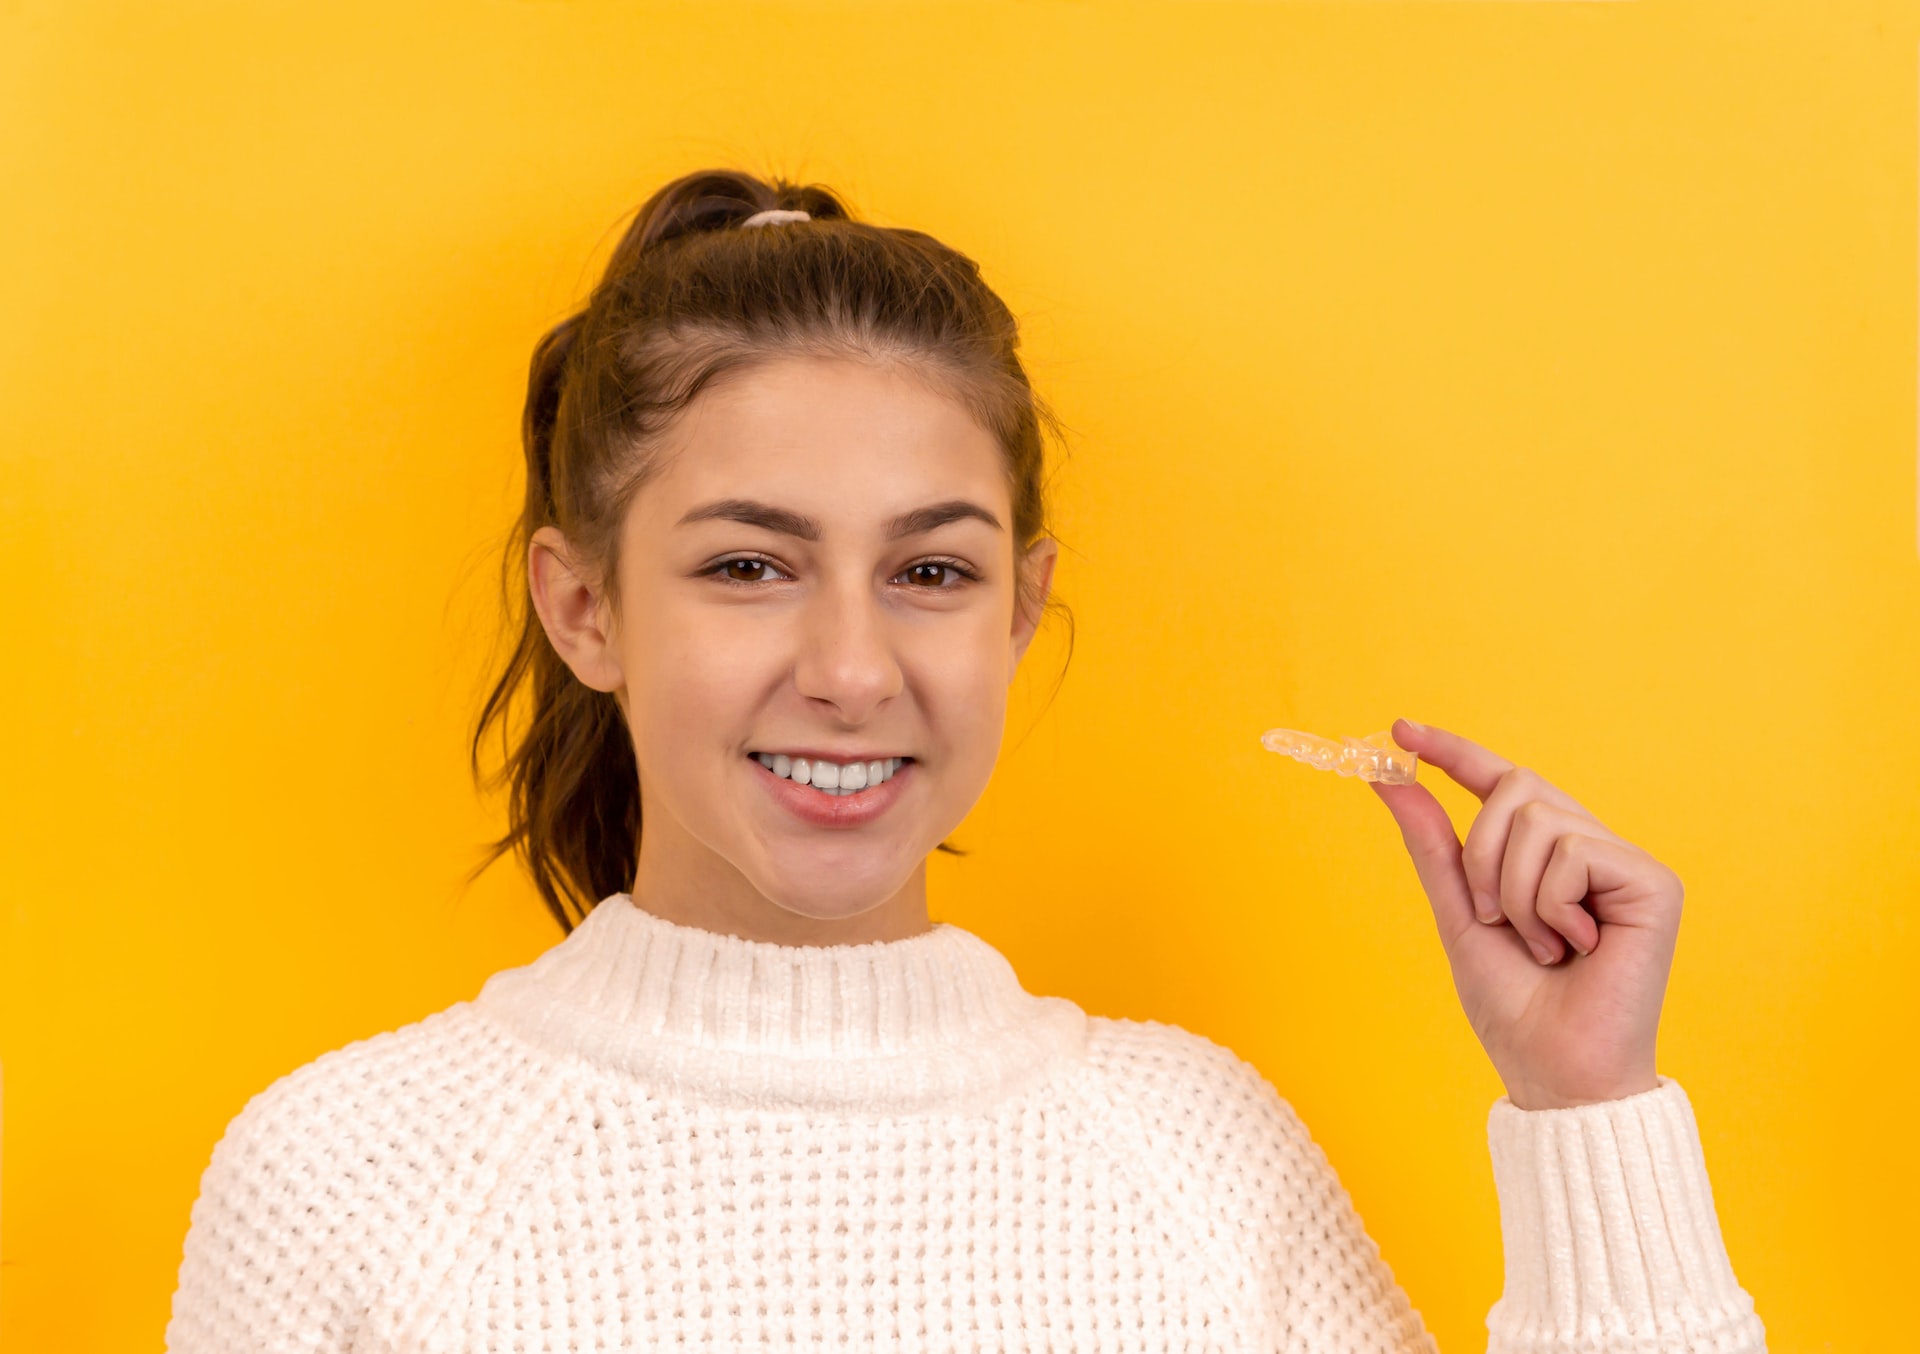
x: 1376, y: 757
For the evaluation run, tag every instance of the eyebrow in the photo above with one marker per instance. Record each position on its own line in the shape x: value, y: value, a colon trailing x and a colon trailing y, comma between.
x: 789, y: 523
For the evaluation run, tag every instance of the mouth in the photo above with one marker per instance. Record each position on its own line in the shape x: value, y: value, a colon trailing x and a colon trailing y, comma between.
x: 839, y: 806
x: 832, y: 778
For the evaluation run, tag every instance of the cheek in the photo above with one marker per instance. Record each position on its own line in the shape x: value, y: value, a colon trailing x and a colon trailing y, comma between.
x: 691, y: 682
x: 964, y: 682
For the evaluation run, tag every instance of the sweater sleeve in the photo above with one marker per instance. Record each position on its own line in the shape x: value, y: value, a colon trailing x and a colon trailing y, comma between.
x: 1271, y: 1222
x: 1607, y: 1220
x: 265, y: 1267
x: 1611, y: 1237
x: 350, y: 1186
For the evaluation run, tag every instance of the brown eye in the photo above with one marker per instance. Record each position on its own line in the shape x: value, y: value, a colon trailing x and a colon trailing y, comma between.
x: 927, y: 574
x: 743, y: 569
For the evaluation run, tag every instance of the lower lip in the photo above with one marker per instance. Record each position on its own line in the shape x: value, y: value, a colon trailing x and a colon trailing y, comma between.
x: 825, y: 810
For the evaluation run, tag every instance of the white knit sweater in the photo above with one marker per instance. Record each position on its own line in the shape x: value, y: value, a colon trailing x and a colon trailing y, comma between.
x: 658, y: 1136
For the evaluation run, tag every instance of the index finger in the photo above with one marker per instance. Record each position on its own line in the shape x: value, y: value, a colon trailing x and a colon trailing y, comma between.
x: 1478, y: 769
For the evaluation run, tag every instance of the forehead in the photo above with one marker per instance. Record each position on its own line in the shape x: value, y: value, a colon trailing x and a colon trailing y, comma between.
x: 838, y: 437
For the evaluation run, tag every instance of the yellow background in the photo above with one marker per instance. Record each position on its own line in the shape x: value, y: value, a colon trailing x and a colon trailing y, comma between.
x: 1540, y: 370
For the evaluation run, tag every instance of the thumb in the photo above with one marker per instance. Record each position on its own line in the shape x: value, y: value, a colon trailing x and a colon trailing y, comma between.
x: 1435, y: 849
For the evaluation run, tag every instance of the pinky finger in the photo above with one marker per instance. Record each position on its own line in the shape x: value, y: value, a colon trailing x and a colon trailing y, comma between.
x: 1562, y: 886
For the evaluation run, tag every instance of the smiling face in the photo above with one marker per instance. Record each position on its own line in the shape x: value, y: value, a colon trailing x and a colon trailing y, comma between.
x: 822, y: 564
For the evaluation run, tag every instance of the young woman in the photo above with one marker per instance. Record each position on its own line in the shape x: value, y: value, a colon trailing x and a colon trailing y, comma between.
x: 785, y: 543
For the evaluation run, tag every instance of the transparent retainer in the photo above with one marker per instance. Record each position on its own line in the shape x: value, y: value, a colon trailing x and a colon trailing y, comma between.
x: 1375, y: 757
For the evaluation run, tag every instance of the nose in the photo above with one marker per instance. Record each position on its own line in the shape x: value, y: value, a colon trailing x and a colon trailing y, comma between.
x: 846, y: 655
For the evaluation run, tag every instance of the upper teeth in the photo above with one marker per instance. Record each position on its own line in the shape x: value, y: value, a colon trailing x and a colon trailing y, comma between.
x: 832, y: 777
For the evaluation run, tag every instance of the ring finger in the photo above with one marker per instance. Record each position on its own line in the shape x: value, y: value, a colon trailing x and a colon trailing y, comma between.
x: 1538, y: 828
x: 1485, y: 849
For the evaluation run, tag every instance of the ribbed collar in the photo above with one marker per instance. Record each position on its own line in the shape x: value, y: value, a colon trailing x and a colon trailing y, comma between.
x: 935, y: 1022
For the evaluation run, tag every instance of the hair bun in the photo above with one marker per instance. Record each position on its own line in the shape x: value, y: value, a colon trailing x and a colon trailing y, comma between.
x: 773, y: 216
x: 716, y: 200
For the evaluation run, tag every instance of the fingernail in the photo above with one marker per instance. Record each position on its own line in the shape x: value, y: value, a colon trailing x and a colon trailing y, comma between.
x: 1485, y: 908
x: 1540, y: 952
x: 1417, y: 728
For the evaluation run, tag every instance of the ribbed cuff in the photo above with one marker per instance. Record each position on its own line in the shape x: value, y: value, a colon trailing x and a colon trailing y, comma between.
x: 1610, y: 1233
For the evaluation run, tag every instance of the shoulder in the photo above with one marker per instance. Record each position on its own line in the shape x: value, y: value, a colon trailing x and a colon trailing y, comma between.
x: 1167, y: 1067
x: 1154, y: 1044
x: 1221, y: 1150
x: 348, y: 1131
x: 375, y: 1091
x: 1205, y: 1111
x: 1266, y: 1206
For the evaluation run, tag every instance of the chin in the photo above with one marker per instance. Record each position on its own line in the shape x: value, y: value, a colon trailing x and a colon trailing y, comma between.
x: 827, y: 912
x: 838, y: 904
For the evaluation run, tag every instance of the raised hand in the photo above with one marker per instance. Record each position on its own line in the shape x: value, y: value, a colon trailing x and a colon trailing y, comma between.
x: 1540, y: 880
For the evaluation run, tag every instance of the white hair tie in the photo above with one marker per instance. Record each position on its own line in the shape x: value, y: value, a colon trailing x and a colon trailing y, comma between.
x: 773, y: 215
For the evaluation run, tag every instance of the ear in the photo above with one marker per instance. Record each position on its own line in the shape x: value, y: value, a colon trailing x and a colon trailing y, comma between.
x: 571, y: 612
x: 1030, y: 598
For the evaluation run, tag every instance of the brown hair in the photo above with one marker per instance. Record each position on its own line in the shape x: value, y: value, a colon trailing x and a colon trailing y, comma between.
x: 686, y: 298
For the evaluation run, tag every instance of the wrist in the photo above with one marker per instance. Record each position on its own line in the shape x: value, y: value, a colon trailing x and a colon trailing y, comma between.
x: 1525, y: 1097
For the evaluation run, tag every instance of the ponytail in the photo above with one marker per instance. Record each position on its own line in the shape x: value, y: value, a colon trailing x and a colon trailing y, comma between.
x: 573, y: 787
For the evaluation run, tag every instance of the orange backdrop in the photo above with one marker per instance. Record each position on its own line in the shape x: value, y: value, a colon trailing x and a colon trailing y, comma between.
x: 1541, y: 370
